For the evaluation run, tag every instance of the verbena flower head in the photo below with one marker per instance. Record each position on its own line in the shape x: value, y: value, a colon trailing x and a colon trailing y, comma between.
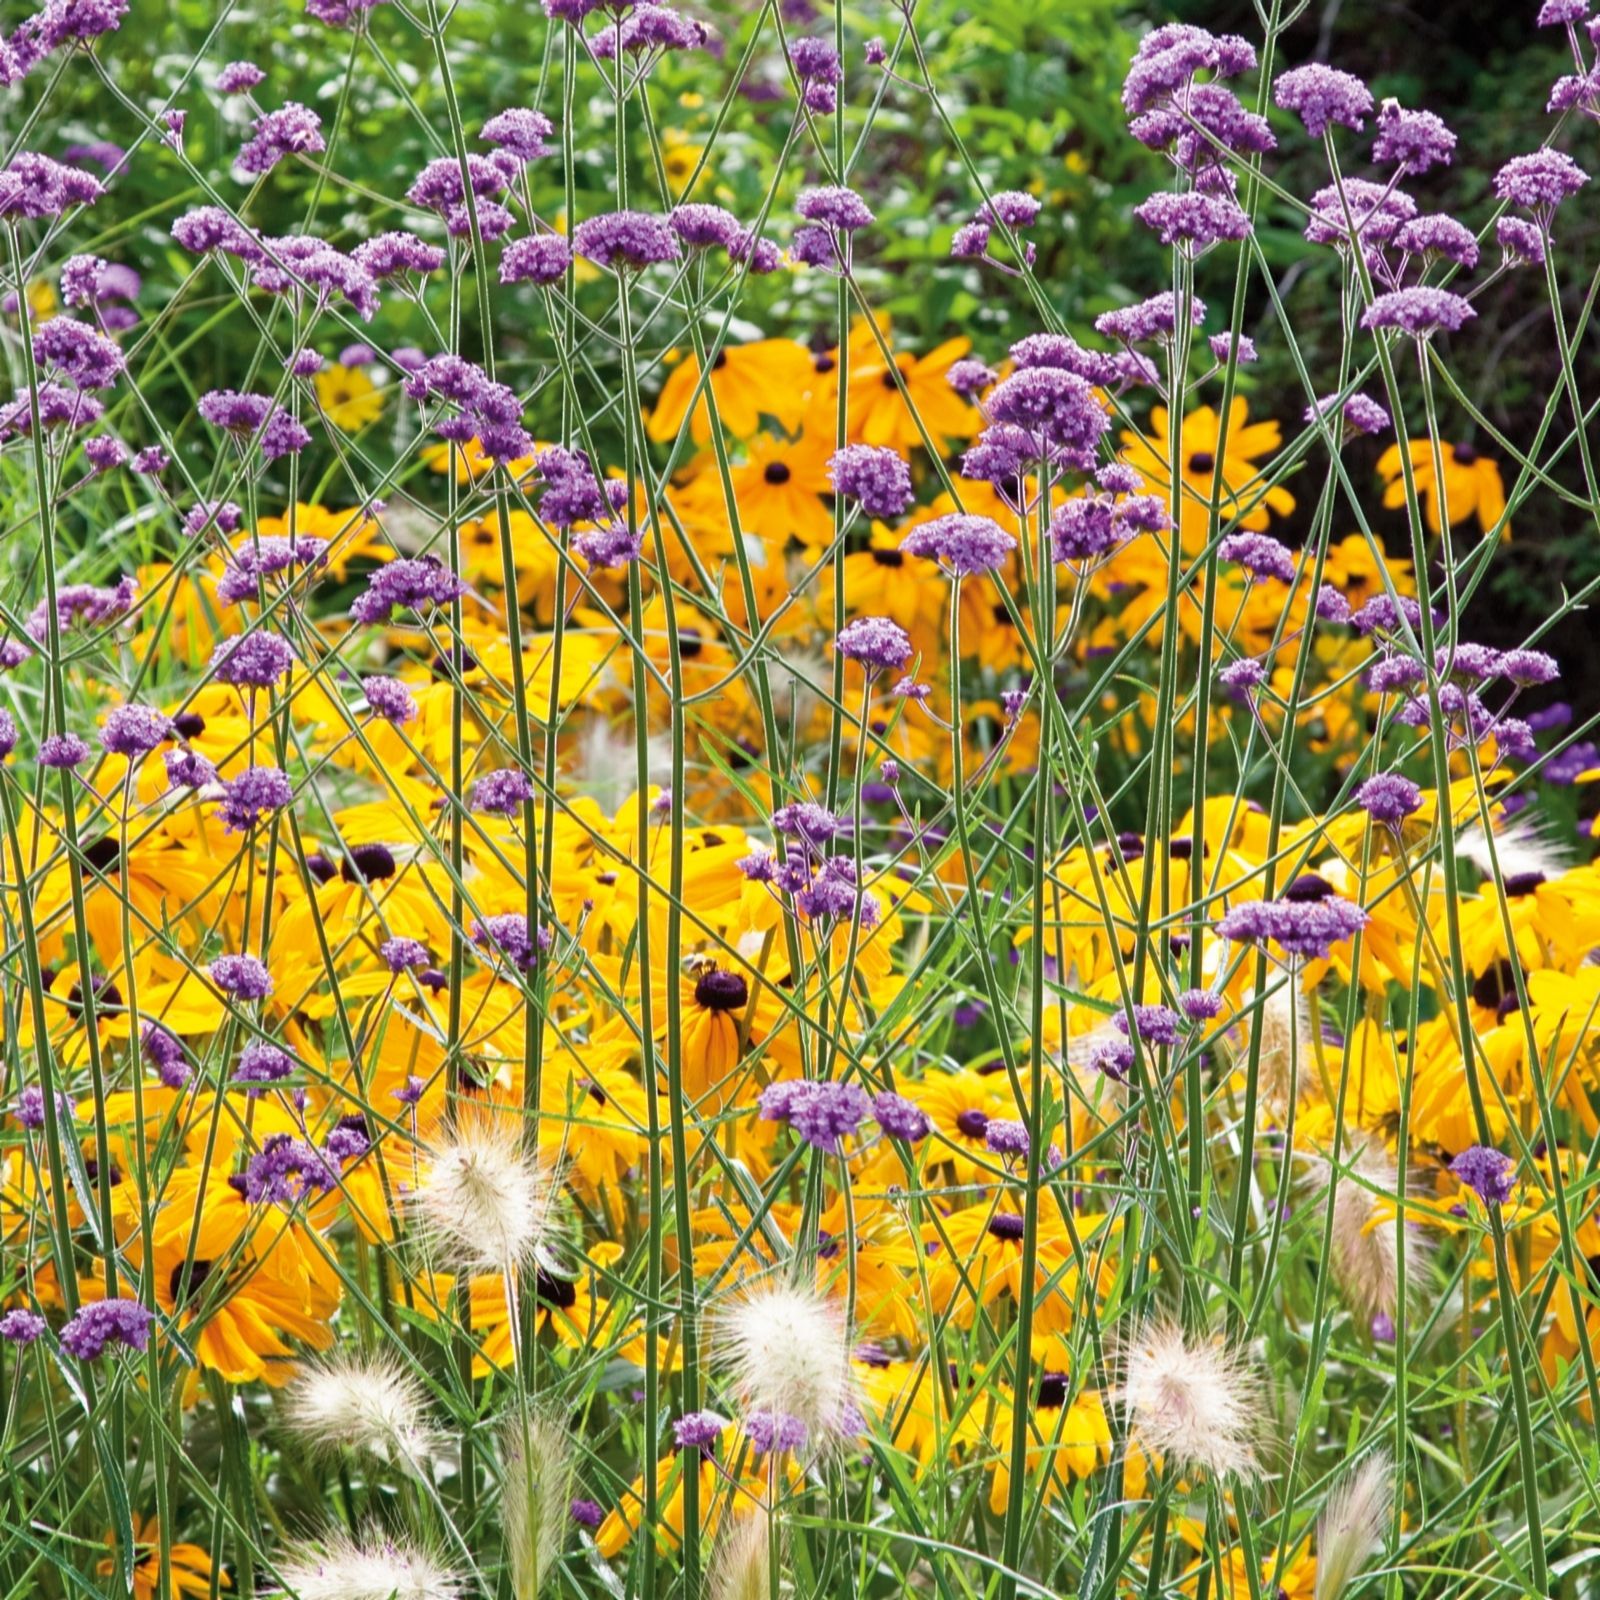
x: 1155, y: 1024
x: 1489, y: 1173
x: 503, y: 792
x: 1323, y: 97
x: 104, y: 1323
x: 963, y: 543
x: 291, y: 130
x: 1389, y: 798
x: 970, y: 378
x: 649, y: 30
x: 821, y: 1113
x: 1155, y: 318
x: 1260, y: 555
x: 1438, y: 236
x: 239, y: 77
x: 899, y: 1117
x: 1243, y: 675
x: 834, y: 207
x: 1521, y: 243
x: 241, y: 977
x: 412, y: 584
x: 19, y: 1326
x: 391, y: 255
x: 135, y: 731
x: 63, y: 751
x: 252, y: 661
x: 877, y: 643
x: 1168, y: 58
x: 390, y: 699
x: 1307, y: 921
x: 625, y: 240
x: 1419, y: 311
x: 1540, y: 181
x: 877, y: 478
x: 1193, y: 220
x: 34, y: 187
x: 1056, y: 407
x: 1413, y: 141
x: 541, y: 258
x: 1369, y: 213
x: 1005, y: 1136
x: 698, y: 1430
x: 1360, y: 413
x: 520, y: 130
x: 705, y: 227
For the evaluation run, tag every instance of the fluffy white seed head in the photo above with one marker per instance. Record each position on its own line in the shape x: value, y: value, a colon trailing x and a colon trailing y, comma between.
x: 357, y: 1402
x: 1522, y: 845
x: 1353, y: 1525
x: 1283, y: 1020
x: 786, y: 1351
x: 1195, y: 1403
x: 538, y: 1463
x: 375, y: 1567
x: 741, y: 1564
x: 1365, y: 1262
x: 487, y: 1201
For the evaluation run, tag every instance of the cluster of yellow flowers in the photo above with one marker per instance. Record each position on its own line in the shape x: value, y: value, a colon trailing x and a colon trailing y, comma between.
x: 472, y: 919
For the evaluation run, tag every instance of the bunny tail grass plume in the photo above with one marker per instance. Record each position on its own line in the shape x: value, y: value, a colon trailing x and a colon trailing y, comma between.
x: 1365, y: 1264
x: 1196, y: 1404
x: 487, y: 1203
x: 1352, y: 1526
x: 742, y: 1563
x: 1284, y: 1022
x: 538, y: 1459
x: 786, y: 1352
x: 359, y: 1402
x: 1522, y: 846
x: 376, y: 1567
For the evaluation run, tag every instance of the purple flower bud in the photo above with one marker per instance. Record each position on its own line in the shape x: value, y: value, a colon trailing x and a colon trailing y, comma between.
x: 1539, y: 181
x: 239, y: 77
x: 834, y: 207
x: 63, y: 751
x: 962, y: 543
x: 900, y: 1118
x: 877, y: 643
x: 698, y: 1430
x: 1389, y: 798
x: 1004, y: 1136
x: 503, y: 792
x: 21, y: 1326
x: 625, y: 240
x: 1413, y: 141
x: 1419, y: 311
x: 1489, y: 1173
x: 242, y: 977
x: 878, y: 478
x: 107, y: 1322
x: 1322, y: 96
x: 134, y: 731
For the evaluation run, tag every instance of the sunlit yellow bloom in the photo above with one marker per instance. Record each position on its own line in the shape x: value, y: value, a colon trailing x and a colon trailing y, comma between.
x: 1472, y: 484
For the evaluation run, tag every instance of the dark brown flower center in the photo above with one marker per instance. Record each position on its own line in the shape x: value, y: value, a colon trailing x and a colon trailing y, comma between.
x: 718, y: 990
